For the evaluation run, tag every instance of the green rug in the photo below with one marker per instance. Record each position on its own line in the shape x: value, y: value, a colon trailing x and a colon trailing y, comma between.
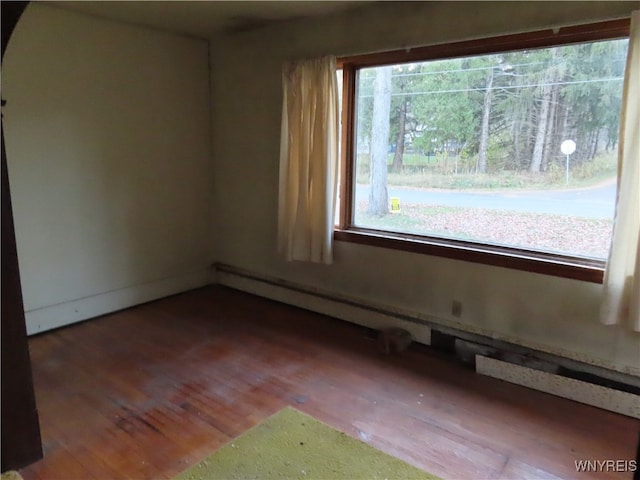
x: 10, y: 475
x: 292, y: 445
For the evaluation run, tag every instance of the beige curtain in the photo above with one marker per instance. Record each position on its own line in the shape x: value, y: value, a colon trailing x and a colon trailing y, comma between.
x: 308, y: 160
x: 621, y: 303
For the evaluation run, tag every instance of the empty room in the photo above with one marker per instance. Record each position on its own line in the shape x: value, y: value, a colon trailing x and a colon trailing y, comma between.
x: 353, y: 239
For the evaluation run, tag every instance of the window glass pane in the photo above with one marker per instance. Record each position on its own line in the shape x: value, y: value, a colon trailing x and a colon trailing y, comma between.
x: 472, y: 148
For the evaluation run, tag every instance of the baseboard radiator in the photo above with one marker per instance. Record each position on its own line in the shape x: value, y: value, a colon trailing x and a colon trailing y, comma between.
x: 601, y: 396
x: 590, y: 384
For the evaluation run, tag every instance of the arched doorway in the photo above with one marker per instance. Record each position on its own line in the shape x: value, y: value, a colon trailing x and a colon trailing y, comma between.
x: 21, y: 443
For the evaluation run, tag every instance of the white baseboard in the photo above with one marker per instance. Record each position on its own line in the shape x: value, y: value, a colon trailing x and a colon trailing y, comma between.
x: 347, y: 311
x: 46, y: 318
x: 595, y: 395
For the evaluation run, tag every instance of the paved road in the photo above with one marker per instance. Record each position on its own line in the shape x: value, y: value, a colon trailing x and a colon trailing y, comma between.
x: 593, y: 202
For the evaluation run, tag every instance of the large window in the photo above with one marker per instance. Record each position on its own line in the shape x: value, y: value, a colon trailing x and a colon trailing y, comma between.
x: 502, y: 151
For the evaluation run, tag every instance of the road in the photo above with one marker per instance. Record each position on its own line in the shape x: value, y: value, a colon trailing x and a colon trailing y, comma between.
x: 591, y: 202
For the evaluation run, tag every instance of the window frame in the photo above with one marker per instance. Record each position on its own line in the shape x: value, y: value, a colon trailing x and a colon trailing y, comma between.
x: 559, y: 265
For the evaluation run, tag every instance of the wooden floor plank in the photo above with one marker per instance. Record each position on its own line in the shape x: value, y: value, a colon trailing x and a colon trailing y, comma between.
x: 146, y: 392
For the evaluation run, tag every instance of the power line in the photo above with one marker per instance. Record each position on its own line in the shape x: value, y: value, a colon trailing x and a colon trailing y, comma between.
x: 511, y: 87
x: 496, y: 67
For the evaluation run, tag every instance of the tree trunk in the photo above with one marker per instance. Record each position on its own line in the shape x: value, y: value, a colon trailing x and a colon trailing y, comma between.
x: 596, y: 139
x: 528, y: 152
x: 484, y: 134
x: 541, y: 132
x: 543, y: 116
x: 397, y: 157
x: 515, y: 129
x: 378, y: 197
x: 551, y: 144
x: 563, y: 119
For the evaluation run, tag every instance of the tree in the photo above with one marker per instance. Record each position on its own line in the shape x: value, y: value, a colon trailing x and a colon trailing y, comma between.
x: 505, y: 111
x: 484, y: 134
x: 378, y: 197
x: 446, y: 109
x: 396, y: 166
x: 541, y: 130
x: 594, y: 106
x: 404, y: 80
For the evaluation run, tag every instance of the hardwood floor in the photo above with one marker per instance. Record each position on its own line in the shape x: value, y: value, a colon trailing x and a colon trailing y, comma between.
x: 146, y: 392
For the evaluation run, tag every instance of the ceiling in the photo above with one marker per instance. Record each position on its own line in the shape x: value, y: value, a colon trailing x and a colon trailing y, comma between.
x: 206, y: 18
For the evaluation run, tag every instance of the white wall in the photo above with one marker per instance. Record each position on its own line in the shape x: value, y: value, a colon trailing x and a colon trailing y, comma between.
x: 107, y: 132
x: 552, y: 314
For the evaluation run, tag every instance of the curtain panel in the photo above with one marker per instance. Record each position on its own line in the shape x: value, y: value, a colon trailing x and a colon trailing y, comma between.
x: 308, y: 160
x: 621, y: 302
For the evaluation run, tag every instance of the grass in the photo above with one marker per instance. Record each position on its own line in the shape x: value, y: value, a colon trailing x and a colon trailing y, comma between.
x: 398, y: 222
x: 405, y: 220
x: 420, y: 172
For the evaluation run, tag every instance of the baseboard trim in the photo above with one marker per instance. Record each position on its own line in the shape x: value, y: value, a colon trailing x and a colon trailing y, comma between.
x: 588, y: 393
x: 317, y: 302
x: 374, y: 315
x: 47, y: 318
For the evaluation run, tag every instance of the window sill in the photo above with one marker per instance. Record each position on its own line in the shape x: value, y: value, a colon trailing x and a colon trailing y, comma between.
x: 587, y: 270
